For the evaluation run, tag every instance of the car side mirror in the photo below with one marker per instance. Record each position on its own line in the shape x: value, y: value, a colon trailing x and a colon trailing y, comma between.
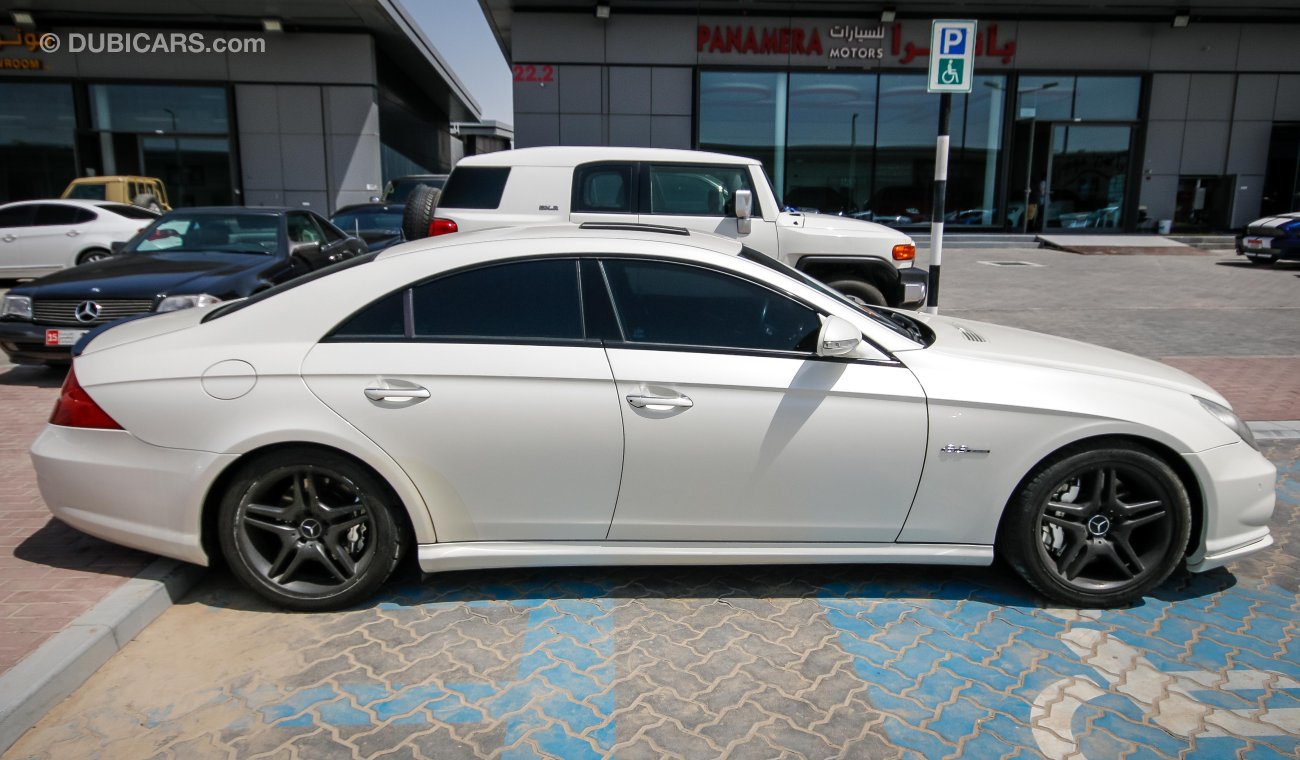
x: 116, y: 247
x: 838, y: 337
x: 744, y: 210
x: 306, y: 250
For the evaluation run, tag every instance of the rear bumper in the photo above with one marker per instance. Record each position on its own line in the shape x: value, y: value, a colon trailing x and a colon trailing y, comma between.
x: 112, y: 485
x: 1237, y: 485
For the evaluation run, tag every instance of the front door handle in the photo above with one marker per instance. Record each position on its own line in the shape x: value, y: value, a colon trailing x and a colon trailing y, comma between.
x: 8, y: 238
x: 72, y: 233
x: 384, y: 394
x: 653, y: 402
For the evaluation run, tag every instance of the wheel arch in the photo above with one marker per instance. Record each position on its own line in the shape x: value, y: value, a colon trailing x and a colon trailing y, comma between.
x: 877, y: 272
x: 1162, y: 451
x: 212, y: 499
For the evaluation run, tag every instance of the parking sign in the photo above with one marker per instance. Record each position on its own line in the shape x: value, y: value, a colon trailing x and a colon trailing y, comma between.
x: 952, y: 56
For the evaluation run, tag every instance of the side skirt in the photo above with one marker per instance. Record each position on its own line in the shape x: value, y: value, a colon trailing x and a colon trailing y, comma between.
x: 480, y: 555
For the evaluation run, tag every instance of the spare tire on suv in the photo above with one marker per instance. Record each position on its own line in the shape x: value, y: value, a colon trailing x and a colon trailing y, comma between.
x: 417, y: 217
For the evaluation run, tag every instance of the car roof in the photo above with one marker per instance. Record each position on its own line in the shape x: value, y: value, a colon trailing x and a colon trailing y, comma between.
x: 233, y: 210
x: 564, y: 155
x: 585, y: 232
x: 81, y: 203
x: 114, y: 178
x: 377, y: 205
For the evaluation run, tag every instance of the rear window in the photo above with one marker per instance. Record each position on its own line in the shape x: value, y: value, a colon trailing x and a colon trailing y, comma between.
x: 475, y: 187
x: 130, y: 212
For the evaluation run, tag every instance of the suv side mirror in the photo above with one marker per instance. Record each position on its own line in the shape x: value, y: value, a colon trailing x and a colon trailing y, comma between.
x: 744, y: 210
x: 838, y: 337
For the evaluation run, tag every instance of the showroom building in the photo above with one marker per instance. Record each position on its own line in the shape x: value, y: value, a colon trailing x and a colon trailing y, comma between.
x: 251, y: 103
x: 1078, y: 119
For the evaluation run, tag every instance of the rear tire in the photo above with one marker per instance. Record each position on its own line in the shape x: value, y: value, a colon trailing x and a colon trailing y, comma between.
x: 1098, y: 527
x: 94, y: 254
x: 860, y: 292
x: 420, y: 206
x: 310, y: 530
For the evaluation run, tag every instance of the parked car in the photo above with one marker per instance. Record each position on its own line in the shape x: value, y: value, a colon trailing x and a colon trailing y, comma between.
x: 1271, y: 239
x: 398, y: 190
x: 603, y: 395
x: 709, y: 192
x: 39, y: 237
x: 378, y: 224
x: 183, y: 259
x: 145, y: 192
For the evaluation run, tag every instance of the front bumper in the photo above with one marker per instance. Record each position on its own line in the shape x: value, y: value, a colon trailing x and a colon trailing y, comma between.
x: 112, y: 485
x: 1279, y: 248
x: 915, y: 283
x: 24, y: 343
x: 1238, y: 490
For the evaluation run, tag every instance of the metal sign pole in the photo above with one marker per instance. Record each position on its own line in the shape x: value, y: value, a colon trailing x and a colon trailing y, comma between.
x: 940, y: 199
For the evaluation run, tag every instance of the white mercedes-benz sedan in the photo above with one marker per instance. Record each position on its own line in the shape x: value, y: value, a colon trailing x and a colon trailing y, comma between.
x: 624, y: 394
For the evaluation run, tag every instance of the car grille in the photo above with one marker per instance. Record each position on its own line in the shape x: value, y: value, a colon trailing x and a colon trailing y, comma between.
x: 65, y: 312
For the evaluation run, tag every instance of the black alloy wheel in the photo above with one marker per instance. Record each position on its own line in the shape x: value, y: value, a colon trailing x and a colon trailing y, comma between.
x: 310, y: 530
x: 1098, y: 527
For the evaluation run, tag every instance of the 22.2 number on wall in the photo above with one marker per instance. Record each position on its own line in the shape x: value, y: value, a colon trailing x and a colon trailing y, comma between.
x: 527, y: 72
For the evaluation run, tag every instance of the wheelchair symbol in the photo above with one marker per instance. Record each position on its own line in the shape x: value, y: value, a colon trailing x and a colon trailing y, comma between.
x: 950, y: 75
x: 1166, y: 698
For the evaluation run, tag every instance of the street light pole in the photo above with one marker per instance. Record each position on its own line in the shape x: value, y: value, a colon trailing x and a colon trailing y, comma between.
x: 180, y: 170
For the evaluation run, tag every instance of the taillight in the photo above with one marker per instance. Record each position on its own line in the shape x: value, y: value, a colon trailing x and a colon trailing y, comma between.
x: 904, y: 252
x: 441, y: 227
x: 75, y: 408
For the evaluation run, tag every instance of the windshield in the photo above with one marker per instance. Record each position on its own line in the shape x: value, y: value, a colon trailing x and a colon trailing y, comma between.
x: 182, y: 232
x: 903, y: 325
x: 358, y: 221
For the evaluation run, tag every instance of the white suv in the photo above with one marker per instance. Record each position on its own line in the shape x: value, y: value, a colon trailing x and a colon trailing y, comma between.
x: 710, y: 192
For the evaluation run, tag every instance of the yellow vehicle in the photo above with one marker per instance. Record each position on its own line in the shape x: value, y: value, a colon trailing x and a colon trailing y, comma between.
x: 145, y: 192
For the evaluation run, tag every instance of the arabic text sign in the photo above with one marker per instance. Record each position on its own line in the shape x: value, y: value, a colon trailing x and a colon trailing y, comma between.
x: 952, y: 56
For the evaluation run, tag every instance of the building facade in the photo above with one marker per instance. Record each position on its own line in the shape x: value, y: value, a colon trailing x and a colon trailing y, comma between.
x: 318, y: 109
x: 1073, y: 123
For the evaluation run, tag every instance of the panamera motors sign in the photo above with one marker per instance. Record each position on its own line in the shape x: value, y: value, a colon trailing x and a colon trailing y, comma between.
x: 952, y: 56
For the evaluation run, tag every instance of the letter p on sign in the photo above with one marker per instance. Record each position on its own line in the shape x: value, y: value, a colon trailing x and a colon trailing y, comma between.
x: 952, y: 56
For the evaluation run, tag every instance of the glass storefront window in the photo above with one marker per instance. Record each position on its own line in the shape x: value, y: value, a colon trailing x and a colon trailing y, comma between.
x: 830, y: 144
x: 743, y: 112
x: 1045, y: 98
x: 150, y: 108
x: 1107, y: 98
x: 1089, y: 173
x: 976, y: 154
x: 37, y: 140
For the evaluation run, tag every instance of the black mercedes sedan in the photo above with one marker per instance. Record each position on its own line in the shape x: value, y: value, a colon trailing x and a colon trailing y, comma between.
x: 192, y: 257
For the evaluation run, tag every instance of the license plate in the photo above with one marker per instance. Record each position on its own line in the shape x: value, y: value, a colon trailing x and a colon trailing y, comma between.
x: 1255, y: 243
x: 63, y: 337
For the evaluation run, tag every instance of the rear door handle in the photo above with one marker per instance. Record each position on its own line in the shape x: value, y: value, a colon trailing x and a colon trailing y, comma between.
x: 384, y: 394
x: 72, y: 233
x: 652, y: 402
x: 8, y: 238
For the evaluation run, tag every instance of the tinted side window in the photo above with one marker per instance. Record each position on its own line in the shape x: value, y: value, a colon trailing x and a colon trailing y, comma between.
x: 526, y: 300
x: 331, y: 234
x: 384, y: 319
x: 603, y: 188
x: 130, y: 212
x: 17, y: 216
x: 660, y: 302
x: 697, y: 190
x: 85, y: 215
x: 302, y: 229
x: 49, y: 214
x: 475, y: 187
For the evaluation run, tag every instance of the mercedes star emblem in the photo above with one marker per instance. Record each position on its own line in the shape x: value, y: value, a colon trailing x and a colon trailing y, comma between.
x: 87, y: 311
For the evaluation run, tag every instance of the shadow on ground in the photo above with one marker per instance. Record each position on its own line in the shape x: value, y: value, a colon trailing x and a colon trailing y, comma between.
x: 33, y: 376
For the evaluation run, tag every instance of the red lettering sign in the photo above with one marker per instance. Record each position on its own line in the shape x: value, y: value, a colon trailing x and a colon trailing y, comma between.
x: 749, y: 41
x: 530, y: 73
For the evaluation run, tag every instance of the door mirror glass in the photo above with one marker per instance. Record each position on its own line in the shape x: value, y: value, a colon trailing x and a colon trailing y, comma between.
x: 838, y: 337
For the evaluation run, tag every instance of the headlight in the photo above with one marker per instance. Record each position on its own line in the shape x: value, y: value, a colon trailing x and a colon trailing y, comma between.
x: 1229, y: 418
x: 176, y: 303
x: 17, y: 306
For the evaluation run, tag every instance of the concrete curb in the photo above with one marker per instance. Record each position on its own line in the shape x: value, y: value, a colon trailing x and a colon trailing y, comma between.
x: 47, y: 676
x: 1277, y: 430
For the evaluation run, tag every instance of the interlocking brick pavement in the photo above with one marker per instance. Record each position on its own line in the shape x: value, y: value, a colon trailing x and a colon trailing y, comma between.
x: 715, y: 662
x: 1259, y: 387
x: 49, y: 573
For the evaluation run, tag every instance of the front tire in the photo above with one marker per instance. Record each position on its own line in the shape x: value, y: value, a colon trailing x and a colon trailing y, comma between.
x: 860, y: 292
x: 1098, y: 527
x: 310, y: 530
